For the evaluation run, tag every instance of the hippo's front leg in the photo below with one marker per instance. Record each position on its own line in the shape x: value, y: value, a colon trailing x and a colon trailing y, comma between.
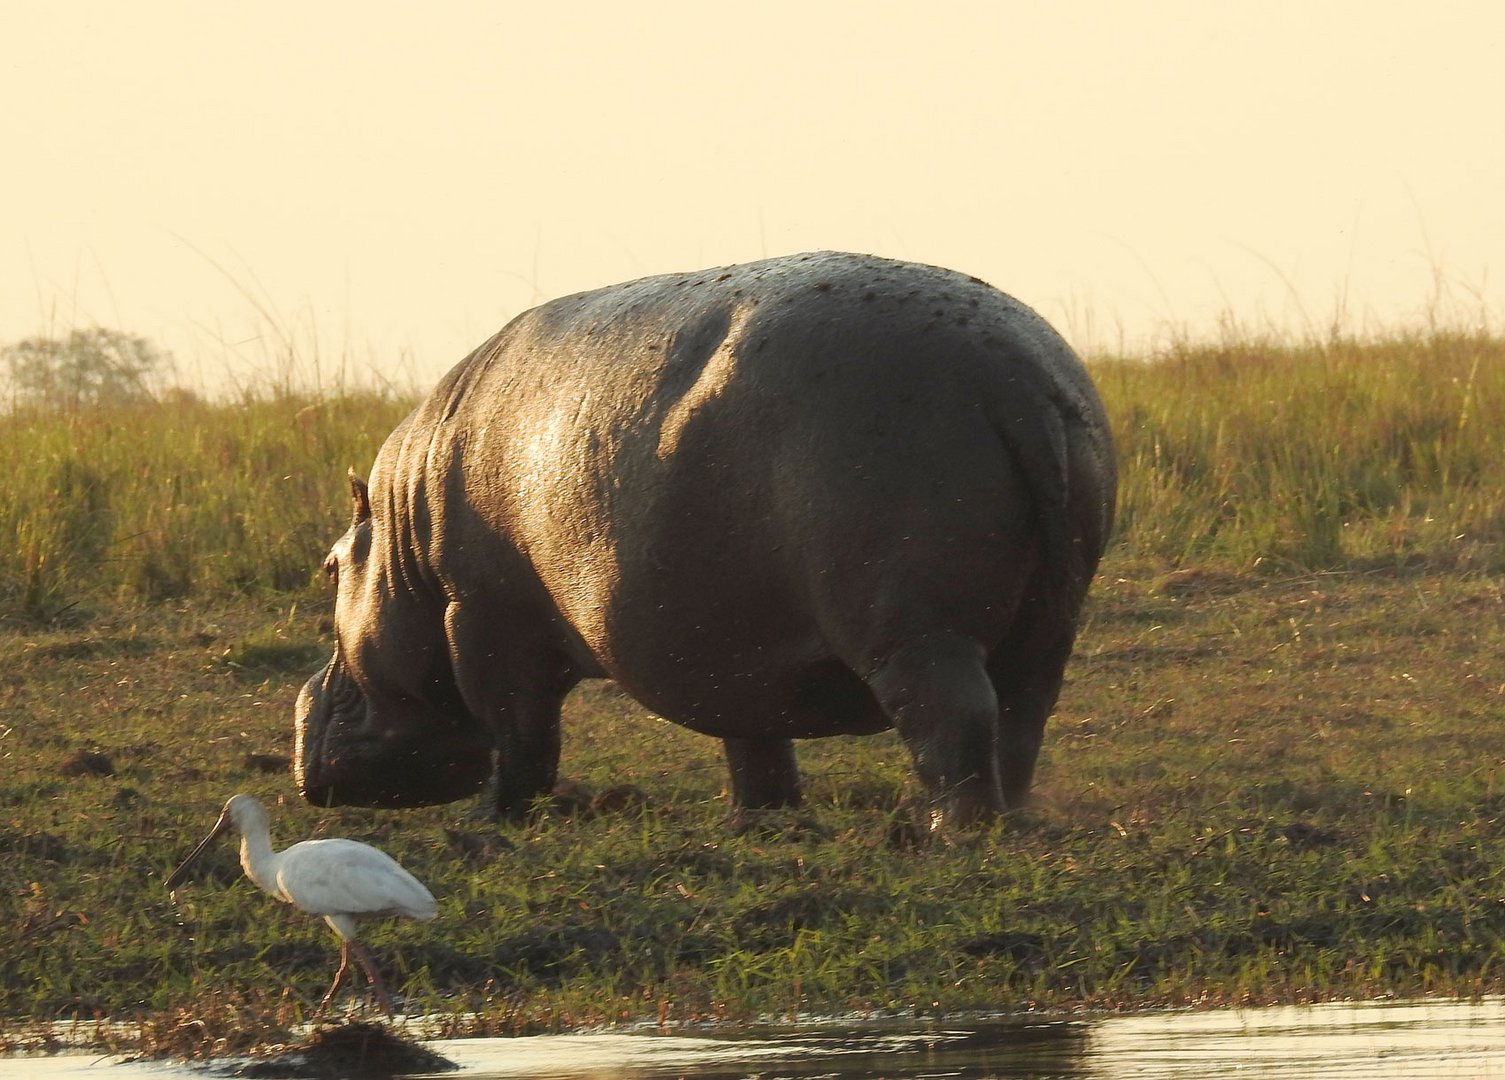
x: 764, y: 773
x: 519, y: 695
x: 527, y: 757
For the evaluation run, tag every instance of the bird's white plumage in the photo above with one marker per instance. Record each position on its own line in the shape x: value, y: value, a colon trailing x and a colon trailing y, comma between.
x: 345, y: 877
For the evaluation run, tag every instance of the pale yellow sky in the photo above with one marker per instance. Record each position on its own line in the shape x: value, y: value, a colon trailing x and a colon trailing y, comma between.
x: 401, y: 184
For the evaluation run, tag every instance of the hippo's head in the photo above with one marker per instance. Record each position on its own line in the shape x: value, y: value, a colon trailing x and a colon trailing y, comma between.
x: 383, y: 724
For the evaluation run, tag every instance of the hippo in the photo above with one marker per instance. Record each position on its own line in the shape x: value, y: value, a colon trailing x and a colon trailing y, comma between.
x: 821, y: 494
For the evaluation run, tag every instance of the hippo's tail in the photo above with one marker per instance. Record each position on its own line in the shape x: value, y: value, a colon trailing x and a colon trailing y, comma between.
x: 1048, y: 432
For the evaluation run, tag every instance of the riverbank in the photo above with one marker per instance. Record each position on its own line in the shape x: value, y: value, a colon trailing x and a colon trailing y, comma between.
x: 1254, y: 791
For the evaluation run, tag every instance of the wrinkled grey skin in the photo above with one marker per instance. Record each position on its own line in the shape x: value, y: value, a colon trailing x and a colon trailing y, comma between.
x: 817, y: 495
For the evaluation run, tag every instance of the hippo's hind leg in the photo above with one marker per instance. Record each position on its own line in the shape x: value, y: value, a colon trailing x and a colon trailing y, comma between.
x: 937, y: 692
x: 1027, y: 675
x: 764, y: 773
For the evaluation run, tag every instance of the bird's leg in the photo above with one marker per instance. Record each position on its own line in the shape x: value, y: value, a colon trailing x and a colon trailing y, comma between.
x: 372, y: 976
x: 339, y: 977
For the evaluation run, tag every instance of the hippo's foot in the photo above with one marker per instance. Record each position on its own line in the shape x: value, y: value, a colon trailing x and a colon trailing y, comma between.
x: 966, y: 809
x: 491, y: 811
x: 779, y: 823
x: 941, y: 827
x: 484, y: 813
x: 939, y: 696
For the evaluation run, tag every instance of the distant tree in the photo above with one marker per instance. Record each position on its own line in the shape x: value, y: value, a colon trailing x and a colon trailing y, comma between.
x: 88, y: 367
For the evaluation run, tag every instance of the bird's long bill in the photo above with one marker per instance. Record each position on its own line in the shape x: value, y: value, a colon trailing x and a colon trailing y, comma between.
x: 176, y: 877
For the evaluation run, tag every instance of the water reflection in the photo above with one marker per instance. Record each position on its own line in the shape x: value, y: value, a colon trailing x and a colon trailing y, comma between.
x: 1375, y: 1040
x: 1006, y: 1049
x: 1387, y: 1042
x: 1412, y: 1041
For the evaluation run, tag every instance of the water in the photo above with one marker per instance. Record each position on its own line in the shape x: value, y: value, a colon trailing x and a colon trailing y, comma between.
x: 1411, y: 1041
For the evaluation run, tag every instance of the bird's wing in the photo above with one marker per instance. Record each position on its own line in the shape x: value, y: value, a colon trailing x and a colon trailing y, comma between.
x: 346, y: 877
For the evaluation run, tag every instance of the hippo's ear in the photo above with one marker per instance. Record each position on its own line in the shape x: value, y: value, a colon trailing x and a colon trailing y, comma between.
x: 361, y: 497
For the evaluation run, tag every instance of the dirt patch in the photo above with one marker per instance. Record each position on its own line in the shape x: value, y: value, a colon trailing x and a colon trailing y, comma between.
x: 352, y: 1050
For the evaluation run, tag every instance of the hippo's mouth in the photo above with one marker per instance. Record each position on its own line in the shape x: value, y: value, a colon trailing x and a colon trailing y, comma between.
x: 347, y: 755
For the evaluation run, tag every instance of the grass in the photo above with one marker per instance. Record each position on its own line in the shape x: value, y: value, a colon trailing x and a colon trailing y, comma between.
x: 160, y: 501
x: 1249, y: 455
x: 1274, y: 775
x: 1315, y: 457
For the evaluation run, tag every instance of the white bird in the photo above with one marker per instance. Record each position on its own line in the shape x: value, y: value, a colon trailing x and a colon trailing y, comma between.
x: 338, y: 879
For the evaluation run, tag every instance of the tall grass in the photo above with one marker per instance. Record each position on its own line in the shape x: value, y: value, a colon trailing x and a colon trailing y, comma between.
x: 165, y: 499
x: 1315, y: 457
x: 1243, y: 454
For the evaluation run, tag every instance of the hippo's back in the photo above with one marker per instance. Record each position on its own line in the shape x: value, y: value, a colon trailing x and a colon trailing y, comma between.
x: 728, y: 481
